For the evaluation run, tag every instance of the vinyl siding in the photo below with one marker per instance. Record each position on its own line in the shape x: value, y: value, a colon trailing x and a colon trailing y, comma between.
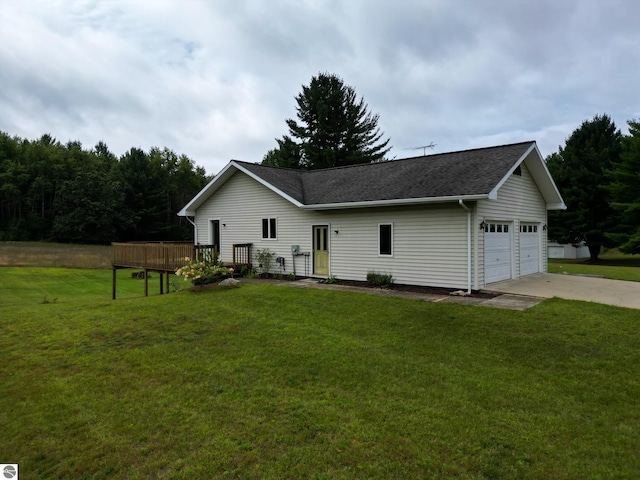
x: 429, y: 245
x: 519, y: 201
x: 241, y: 204
x: 429, y: 242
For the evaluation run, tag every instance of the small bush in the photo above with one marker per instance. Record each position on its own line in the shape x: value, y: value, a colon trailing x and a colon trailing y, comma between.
x: 331, y: 279
x: 265, y: 260
x: 379, y: 280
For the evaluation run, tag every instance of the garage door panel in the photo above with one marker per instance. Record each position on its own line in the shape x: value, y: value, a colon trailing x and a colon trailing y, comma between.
x: 497, y: 253
x: 529, y: 249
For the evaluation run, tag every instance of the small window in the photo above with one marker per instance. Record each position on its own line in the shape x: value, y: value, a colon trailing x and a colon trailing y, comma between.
x: 269, y: 228
x: 385, y: 239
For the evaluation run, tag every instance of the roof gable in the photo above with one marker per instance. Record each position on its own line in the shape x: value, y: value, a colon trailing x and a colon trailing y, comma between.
x: 468, y: 175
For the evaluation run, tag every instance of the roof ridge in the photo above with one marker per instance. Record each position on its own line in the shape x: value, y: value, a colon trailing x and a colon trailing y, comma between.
x: 382, y: 162
x: 471, y: 150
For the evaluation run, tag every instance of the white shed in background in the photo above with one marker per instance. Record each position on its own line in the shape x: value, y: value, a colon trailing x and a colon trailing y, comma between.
x: 567, y: 250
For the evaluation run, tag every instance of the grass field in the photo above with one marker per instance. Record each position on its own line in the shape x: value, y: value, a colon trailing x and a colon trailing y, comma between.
x: 31, y: 273
x: 611, y: 264
x: 271, y: 381
x: 42, y: 254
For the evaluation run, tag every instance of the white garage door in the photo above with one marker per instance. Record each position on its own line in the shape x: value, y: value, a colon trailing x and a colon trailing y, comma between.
x: 529, y: 249
x: 497, y: 252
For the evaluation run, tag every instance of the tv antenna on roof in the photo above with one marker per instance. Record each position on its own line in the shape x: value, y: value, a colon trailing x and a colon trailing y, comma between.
x: 423, y: 147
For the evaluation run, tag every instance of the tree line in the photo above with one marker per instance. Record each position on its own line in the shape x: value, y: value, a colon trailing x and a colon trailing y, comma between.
x: 598, y: 174
x: 51, y: 191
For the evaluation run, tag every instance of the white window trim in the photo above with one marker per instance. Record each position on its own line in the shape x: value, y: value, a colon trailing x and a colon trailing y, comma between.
x: 269, y: 237
x: 385, y: 255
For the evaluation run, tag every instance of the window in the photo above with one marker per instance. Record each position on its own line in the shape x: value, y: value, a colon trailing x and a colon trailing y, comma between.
x: 385, y: 239
x: 268, y: 228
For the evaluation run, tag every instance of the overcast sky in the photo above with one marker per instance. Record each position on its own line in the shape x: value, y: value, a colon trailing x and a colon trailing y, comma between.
x: 215, y: 80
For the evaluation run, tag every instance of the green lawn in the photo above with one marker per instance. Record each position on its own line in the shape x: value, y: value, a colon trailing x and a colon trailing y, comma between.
x: 611, y: 264
x: 280, y: 382
x: 32, y: 285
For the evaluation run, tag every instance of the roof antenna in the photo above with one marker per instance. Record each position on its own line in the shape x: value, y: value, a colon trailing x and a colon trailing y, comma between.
x: 423, y: 147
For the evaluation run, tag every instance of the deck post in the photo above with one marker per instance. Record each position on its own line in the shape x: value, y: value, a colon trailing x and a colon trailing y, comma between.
x: 113, y: 284
x: 146, y: 282
x: 161, y: 284
x: 167, y: 280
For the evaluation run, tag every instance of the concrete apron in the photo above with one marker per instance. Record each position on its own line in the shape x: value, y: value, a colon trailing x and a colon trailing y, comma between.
x: 573, y: 287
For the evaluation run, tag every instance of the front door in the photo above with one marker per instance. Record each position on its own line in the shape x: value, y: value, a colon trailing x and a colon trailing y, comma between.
x: 321, y: 250
x: 214, y: 233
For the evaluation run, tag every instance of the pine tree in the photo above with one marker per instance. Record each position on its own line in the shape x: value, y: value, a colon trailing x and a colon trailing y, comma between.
x: 625, y: 191
x: 579, y: 170
x: 334, y: 129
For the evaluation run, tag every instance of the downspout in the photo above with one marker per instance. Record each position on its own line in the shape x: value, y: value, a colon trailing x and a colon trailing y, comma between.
x: 461, y: 203
x: 195, y: 229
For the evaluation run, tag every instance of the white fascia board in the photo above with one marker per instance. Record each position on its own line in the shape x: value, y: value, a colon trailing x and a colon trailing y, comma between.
x: 553, y: 185
x: 493, y: 195
x: 189, y: 210
x: 268, y: 185
x: 390, y: 203
x: 541, y: 176
x: 556, y: 206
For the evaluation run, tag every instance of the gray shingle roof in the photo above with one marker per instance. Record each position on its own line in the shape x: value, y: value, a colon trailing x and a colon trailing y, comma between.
x: 468, y: 172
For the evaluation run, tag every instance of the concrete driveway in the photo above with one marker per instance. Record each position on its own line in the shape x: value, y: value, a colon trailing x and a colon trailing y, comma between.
x: 573, y: 287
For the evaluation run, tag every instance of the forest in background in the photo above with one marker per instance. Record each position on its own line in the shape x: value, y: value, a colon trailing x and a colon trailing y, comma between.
x: 51, y: 191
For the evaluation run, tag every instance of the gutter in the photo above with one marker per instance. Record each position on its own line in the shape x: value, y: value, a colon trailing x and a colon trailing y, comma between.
x: 461, y: 203
x: 195, y: 229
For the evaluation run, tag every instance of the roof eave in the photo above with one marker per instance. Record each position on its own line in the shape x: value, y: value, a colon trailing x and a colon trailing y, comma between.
x: 270, y: 186
x: 394, y: 202
x: 556, y: 206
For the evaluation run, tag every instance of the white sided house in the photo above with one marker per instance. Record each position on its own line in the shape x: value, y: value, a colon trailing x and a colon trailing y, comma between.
x: 459, y: 220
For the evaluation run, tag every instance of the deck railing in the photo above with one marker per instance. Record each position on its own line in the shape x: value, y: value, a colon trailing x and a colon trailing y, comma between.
x: 160, y: 256
x: 242, y: 255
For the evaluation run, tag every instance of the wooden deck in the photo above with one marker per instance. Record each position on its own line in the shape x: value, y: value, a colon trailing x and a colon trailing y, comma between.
x: 161, y: 257
x: 166, y: 257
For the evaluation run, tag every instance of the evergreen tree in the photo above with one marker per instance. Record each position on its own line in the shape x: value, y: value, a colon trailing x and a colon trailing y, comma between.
x: 579, y: 170
x: 625, y: 191
x: 334, y: 129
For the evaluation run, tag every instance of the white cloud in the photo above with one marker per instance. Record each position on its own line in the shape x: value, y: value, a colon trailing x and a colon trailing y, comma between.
x: 216, y: 80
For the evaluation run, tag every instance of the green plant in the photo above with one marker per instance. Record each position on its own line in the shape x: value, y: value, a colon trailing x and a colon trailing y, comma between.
x: 291, y: 276
x: 265, y: 260
x: 379, y: 280
x: 331, y: 279
x: 203, y: 271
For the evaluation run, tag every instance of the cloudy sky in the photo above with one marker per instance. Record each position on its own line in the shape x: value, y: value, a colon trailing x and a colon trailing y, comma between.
x: 216, y: 79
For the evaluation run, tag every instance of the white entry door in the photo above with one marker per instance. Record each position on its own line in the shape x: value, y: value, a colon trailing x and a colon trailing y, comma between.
x: 529, y: 249
x: 497, y: 252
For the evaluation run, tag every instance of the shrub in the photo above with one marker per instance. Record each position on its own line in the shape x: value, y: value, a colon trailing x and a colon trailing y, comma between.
x: 265, y: 260
x: 203, y: 271
x: 379, y: 280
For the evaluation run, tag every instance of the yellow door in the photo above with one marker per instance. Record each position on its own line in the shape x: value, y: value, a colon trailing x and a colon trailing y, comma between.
x: 321, y: 250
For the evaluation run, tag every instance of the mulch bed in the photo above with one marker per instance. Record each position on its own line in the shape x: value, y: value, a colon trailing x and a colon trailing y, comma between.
x: 354, y: 283
x: 417, y: 289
